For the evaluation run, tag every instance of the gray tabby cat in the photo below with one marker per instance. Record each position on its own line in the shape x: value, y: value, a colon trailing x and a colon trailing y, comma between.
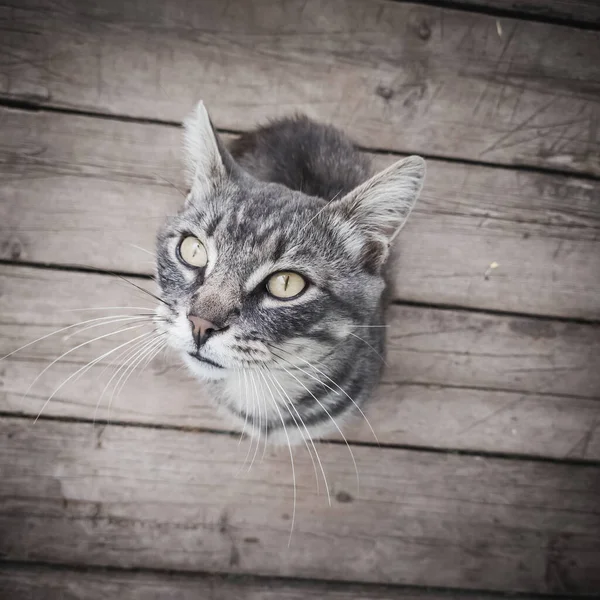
x: 271, y: 274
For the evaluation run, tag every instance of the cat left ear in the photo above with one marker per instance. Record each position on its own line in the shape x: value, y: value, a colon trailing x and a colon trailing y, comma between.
x: 208, y: 161
x: 380, y: 206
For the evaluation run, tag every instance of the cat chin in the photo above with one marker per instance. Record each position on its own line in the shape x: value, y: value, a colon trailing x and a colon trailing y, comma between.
x: 203, y: 370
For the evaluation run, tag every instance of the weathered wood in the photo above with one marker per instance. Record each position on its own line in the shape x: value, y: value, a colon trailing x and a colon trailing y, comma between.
x: 455, y: 380
x: 137, y: 497
x: 72, y: 187
x: 578, y: 11
x: 396, y: 76
x: 20, y: 582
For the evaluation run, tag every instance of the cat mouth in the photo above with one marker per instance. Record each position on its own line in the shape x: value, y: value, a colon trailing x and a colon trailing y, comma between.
x: 206, y: 360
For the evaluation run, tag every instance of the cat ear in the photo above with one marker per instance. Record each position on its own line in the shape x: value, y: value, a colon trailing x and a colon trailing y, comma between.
x: 205, y: 166
x: 208, y: 161
x: 381, y: 205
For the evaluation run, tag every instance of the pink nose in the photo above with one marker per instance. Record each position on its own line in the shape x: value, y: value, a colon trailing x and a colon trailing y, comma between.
x: 201, y: 328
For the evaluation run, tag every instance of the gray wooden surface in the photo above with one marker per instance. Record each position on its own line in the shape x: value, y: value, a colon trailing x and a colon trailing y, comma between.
x: 396, y: 76
x: 69, y: 183
x: 157, y: 498
x: 487, y: 476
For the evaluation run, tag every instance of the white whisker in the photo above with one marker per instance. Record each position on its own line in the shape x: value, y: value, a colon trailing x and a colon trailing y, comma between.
x: 259, y: 417
x: 134, y: 362
x: 81, y: 370
x: 142, y: 249
x: 333, y: 421
x: 251, y: 440
x: 44, y: 337
x: 293, y: 468
x: 320, y: 211
x: 93, y: 308
x: 304, y: 438
x: 245, y: 401
x: 327, y: 386
x: 367, y: 343
x: 117, y: 319
x: 77, y: 348
x: 291, y: 404
x: 126, y: 355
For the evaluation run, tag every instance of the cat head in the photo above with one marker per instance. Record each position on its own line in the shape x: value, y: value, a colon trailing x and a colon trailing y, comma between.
x: 252, y: 273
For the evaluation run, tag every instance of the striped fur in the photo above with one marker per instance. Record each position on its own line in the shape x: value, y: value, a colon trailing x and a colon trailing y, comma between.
x: 294, y: 195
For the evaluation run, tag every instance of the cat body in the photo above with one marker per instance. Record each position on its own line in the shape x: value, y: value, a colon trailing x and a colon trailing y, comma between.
x: 271, y: 274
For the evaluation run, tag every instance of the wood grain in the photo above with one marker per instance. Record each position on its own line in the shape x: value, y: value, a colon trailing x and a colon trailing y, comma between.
x: 136, y: 497
x: 45, y: 583
x: 455, y: 380
x: 579, y: 11
x: 72, y: 187
x: 396, y: 76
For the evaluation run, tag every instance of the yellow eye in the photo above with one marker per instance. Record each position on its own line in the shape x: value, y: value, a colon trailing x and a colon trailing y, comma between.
x: 193, y: 252
x: 285, y: 284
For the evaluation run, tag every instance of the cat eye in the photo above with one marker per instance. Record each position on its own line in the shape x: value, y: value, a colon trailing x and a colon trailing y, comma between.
x: 286, y: 284
x: 192, y: 252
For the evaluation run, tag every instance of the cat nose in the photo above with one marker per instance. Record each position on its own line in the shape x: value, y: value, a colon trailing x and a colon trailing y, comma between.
x: 201, y: 328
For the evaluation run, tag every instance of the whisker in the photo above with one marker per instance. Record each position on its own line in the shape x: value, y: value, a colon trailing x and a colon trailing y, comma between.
x: 367, y: 343
x: 245, y: 401
x: 152, y: 356
x: 172, y: 185
x: 77, y: 348
x: 142, y: 249
x: 81, y: 370
x: 320, y: 211
x: 138, y: 287
x: 134, y: 362
x: 334, y: 383
x: 115, y: 358
x: 266, y: 438
x: 142, y: 355
x: 127, y: 354
x: 308, y: 436
x: 333, y: 421
x: 293, y: 468
x: 44, y: 337
x: 116, y: 319
x: 91, y: 308
x: 259, y: 417
x: 251, y: 441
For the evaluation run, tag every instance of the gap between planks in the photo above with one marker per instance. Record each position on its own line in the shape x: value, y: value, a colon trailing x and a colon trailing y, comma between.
x: 394, y: 302
x: 34, y: 106
x: 581, y: 14
x: 102, y: 424
x: 97, y: 583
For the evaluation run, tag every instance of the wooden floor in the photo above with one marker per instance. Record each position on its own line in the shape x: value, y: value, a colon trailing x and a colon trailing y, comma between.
x: 487, y: 477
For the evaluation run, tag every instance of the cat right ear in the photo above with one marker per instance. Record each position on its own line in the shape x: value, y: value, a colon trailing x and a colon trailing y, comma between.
x: 381, y: 205
x: 205, y: 165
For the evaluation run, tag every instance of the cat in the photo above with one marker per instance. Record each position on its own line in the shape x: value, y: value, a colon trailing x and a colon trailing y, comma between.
x: 271, y: 276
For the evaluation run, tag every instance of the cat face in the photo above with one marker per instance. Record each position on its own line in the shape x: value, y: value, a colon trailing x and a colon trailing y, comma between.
x: 254, y: 274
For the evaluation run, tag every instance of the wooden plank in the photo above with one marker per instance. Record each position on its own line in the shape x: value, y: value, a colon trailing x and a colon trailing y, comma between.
x: 147, y: 498
x: 72, y: 186
x: 455, y: 380
x: 396, y: 76
x: 46, y: 583
x: 579, y: 11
